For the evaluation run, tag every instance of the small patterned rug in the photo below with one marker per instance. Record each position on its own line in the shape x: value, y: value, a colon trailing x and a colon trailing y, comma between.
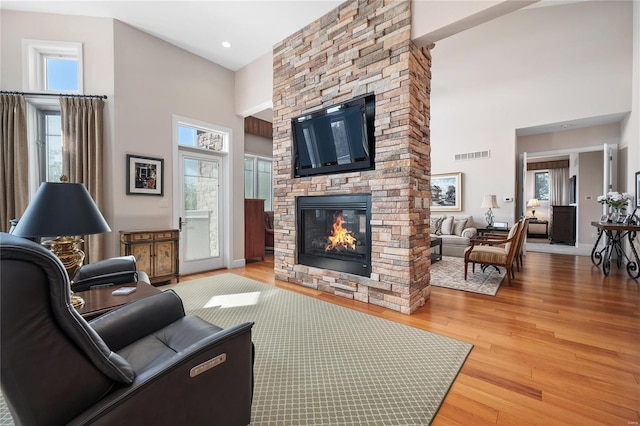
x: 449, y: 273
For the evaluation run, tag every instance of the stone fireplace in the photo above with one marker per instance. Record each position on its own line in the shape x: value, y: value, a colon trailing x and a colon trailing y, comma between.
x: 334, y: 233
x: 361, y: 47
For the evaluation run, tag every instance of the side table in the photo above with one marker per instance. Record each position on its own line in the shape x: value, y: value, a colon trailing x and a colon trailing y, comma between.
x: 615, y: 234
x: 497, y: 229
x: 436, y: 242
x: 101, y: 300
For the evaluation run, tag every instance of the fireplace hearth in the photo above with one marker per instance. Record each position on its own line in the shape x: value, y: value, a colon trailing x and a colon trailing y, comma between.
x: 334, y: 232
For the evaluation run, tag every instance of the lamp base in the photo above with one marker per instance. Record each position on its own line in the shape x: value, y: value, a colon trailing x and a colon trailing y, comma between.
x: 489, y: 216
x: 65, y: 248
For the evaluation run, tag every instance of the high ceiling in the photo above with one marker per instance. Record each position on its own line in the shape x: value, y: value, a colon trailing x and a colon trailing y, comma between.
x: 200, y: 27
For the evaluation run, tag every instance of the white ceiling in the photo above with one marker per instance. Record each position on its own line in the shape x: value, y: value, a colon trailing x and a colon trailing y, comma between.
x: 252, y: 27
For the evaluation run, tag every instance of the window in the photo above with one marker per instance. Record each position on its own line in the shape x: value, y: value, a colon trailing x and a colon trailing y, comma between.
x: 49, y: 67
x: 257, y: 179
x: 201, y: 138
x: 542, y: 185
x: 49, y: 146
x: 52, y: 66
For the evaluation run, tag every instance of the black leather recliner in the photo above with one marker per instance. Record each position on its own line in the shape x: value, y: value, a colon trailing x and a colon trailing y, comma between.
x: 144, y: 363
x: 115, y: 270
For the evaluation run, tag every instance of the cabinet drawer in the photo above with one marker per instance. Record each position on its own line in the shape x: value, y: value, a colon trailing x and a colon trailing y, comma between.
x: 169, y: 234
x: 140, y: 237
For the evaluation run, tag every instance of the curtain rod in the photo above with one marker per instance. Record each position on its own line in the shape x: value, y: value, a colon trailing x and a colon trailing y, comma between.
x: 5, y: 92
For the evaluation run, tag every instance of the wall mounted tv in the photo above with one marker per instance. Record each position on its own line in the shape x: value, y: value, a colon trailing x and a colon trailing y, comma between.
x: 337, y: 139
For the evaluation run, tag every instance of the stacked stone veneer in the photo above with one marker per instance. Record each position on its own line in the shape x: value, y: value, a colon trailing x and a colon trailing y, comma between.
x: 360, y: 47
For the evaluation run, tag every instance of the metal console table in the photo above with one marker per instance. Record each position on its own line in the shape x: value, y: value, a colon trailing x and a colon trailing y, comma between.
x: 616, y: 233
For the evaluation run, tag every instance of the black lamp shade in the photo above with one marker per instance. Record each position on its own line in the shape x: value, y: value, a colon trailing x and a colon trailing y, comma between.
x: 61, y: 210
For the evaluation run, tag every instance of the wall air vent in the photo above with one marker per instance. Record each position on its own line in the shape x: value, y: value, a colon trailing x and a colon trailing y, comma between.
x: 471, y: 155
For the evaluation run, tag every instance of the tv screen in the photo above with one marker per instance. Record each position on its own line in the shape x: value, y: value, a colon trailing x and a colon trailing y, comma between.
x: 336, y: 139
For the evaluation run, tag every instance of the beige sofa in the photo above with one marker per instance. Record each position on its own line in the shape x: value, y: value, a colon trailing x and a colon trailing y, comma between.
x: 455, y: 231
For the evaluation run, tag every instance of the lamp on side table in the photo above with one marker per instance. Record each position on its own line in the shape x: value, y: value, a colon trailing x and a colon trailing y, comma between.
x: 64, y: 211
x: 533, y: 203
x: 489, y: 202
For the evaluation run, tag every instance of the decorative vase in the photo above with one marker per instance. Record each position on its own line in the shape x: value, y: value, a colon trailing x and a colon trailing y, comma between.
x: 615, y: 213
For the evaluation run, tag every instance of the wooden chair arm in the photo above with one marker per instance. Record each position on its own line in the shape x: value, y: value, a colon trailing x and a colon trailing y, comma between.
x: 490, y: 241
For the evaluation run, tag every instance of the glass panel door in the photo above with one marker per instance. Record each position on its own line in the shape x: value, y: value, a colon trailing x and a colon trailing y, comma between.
x: 201, y: 213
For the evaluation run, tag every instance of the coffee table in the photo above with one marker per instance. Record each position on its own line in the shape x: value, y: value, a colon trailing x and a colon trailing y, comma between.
x: 101, y: 300
x: 436, y: 242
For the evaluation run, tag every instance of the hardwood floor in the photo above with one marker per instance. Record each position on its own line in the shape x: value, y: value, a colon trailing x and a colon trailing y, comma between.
x: 560, y: 346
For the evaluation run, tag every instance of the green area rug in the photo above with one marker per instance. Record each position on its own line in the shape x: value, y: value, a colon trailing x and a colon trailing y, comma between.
x: 449, y: 273
x: 319, y: 363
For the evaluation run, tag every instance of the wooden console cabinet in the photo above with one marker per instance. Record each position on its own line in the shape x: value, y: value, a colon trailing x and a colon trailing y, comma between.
x: 156, y: 252
x: 253, y: 228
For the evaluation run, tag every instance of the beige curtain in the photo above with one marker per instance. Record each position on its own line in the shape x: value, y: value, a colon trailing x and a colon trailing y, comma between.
x: 14, y: 159
x: 82, y: 126
x: 558, y: 187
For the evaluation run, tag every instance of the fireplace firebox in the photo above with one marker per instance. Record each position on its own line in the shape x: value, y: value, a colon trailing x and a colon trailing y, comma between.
x: 334, y: 232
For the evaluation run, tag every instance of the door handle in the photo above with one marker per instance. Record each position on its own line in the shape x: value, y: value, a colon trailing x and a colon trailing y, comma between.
x: 180, y: 223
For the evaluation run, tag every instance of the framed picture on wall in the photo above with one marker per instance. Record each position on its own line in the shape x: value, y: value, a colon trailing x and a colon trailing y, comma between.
x: 145, y: 175
x: 446, y: 192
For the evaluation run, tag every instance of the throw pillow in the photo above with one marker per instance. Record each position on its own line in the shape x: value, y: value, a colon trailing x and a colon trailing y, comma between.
x: 436, y: 224
x: 447, y: 226
x: 458, y: 226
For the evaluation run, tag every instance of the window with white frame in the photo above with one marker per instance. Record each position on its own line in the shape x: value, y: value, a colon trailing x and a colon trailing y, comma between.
x: 541, y: 185
x: 202, y: 138
x: 258, y: 179
x: 49, y: 67
x: 52, y: 66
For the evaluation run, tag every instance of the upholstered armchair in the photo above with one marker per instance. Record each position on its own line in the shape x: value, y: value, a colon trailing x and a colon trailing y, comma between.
x: 144, y: 363
x: 494, y: 250
x: 268, y: 229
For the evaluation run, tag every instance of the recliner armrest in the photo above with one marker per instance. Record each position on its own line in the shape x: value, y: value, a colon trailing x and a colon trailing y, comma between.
x: 220, y: 395
x: 106, y: 266
x: 138, y: 319
x: 116, y: 270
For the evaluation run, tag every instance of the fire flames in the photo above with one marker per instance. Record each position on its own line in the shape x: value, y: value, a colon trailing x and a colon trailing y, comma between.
x: 340, y: 238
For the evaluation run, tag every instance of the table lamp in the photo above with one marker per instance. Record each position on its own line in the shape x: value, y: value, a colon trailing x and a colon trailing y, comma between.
x: 533, y: 203
x: 489, y: 202
x: 62, y: 210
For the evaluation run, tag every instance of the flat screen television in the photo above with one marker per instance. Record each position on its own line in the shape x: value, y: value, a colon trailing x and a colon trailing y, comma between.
x: 337, y: 139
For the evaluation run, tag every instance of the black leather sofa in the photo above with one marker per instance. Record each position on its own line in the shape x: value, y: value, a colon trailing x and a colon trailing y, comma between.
x: 146, y: 363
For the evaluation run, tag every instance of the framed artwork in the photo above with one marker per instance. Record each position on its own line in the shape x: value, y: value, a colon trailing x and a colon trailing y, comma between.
x: 637, y: 189
x: 446, y: 192
x: 145, y: 175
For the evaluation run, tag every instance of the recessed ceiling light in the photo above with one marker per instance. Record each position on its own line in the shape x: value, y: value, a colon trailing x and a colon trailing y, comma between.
x: 226, y: 44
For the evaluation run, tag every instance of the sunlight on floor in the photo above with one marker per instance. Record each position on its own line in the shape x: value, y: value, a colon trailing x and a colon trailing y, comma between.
x: 233, y: 300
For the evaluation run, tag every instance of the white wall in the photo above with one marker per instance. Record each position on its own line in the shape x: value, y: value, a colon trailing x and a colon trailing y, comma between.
x: 153, y: 81
x: 589, y: 182
x: 146, y: 81
x: 594, y: 136
x: 631, y: 126
x: 258, y: 145
x: 96, y: 36
x: 254, y: 86
x: 532, y: 67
